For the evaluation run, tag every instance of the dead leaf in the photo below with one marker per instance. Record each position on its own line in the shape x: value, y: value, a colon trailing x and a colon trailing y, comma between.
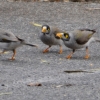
x: 93, y: 8
x: 68, y: 85
x: 78, y: 71
x: 10, y: 0
x: 35, y: 24
x: 5, y: 93
x: 34, y: 84
x: 58, y: 86
x: 6, y: 52
x: 44, y: 61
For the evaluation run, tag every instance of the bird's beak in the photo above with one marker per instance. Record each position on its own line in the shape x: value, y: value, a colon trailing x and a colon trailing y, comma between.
x: 44, y: 30
x: 59, y: 35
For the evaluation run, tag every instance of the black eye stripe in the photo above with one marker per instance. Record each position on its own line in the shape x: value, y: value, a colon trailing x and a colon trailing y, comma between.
x: 64, y: 34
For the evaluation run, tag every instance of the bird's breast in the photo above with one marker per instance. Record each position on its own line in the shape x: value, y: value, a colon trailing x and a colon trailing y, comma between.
x: 73, y: 44
x: 49, y: 40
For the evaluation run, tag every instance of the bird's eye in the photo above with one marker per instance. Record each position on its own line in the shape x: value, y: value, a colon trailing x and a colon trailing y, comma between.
x: 66, y: 35
x: 48, y: 30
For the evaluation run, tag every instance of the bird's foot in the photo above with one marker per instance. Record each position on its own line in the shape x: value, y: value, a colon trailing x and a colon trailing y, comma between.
x: 60, y: 52
x: 45, y: 51
x: 68, y: 57
x: 13, y: 58
x: 87, y: 56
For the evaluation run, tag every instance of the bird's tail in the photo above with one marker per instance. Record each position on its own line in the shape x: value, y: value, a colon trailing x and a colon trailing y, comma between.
x: 24, y: 43
x: 32, y: 45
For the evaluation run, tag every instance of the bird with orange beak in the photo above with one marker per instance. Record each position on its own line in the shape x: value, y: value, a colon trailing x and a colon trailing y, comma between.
x: 78, y: 39
x: 48, y: 37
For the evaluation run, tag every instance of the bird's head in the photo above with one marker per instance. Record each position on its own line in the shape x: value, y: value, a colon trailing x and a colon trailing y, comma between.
x: 45, y: 29
x: 64, y: 36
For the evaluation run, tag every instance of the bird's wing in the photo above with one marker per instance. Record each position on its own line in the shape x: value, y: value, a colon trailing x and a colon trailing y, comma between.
x: 6, y: 36
x: 83, y: 35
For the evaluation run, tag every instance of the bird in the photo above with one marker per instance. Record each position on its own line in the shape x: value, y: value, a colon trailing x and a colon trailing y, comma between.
x: 10, y: 42
x: 48, y: 37
x: 77, y: 39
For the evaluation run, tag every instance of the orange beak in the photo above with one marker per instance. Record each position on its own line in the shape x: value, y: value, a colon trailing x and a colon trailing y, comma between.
x: 44, y: 30
x: 59, y: 35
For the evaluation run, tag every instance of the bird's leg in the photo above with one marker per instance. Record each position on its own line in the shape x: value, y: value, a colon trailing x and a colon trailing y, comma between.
x: 46, y: 50
x: 13, y: 56
x: 70, y: 55
x: 87, y: 53
x: 60, y: 51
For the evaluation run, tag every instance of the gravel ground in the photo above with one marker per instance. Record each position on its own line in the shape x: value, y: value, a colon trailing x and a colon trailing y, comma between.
x: 32, y: 67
